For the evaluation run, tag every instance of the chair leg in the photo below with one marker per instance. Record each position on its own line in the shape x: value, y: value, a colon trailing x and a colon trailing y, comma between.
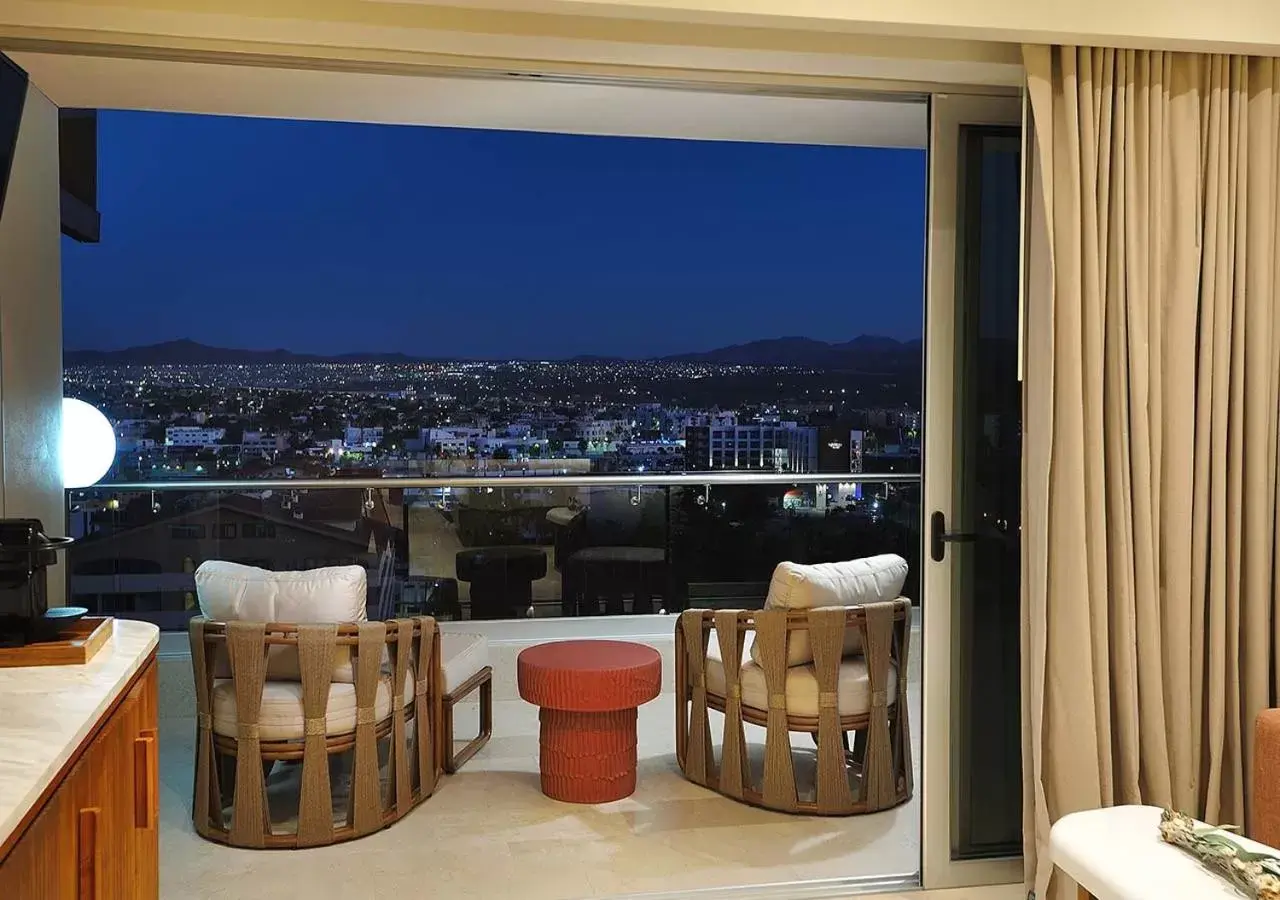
x: 226, y: 764
x: 483, y: 682
x: 844, y: 736
x: 853, y: 755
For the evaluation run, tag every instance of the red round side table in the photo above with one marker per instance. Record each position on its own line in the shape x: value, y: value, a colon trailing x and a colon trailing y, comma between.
x: 588, y: 693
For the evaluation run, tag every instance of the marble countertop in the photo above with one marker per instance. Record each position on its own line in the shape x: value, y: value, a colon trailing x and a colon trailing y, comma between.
x: 46, y: 712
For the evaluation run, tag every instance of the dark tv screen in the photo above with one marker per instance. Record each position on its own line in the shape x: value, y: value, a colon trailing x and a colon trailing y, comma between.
x: 13, y: 94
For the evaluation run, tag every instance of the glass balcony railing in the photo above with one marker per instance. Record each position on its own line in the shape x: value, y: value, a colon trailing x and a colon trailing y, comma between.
x: 488, y: 548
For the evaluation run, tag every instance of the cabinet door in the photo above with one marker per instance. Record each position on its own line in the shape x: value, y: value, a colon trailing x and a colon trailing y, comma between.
x: 98, y: 836
x: 145, y: 850
x: 115, y: 787
x: 43, y: 865
x: 103, y: 786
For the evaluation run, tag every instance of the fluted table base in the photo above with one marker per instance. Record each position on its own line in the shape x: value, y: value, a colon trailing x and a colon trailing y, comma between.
x: 588, y: 757
x: 587, y: 693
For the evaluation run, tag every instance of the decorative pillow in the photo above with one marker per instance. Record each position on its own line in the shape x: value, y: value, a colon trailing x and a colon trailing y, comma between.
x: 228, y: 591
x: 872, y: 579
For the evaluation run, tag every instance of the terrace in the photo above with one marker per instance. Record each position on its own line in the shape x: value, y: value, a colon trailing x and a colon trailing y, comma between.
x: 139, y: 547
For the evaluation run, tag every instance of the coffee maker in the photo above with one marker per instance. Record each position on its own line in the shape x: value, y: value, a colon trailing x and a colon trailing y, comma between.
x: 26, y: 553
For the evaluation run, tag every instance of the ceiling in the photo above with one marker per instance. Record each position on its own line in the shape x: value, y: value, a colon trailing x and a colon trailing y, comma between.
x: 507, y: 103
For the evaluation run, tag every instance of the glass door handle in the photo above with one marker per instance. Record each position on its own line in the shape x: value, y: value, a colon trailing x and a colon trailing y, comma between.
x: 939, y: 537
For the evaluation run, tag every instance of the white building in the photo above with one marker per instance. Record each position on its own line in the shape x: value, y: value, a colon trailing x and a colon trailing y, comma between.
x: 780, y: 446
x: 262, y: 443
x: 193, y: 437
x: 362, y: 438
x: 452, y: 441
x: 597, y: 431
x: 706, y: 420
x: 491, y: 443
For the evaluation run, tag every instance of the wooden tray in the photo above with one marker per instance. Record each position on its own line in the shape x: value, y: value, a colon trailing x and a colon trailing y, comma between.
x: 81, y: 640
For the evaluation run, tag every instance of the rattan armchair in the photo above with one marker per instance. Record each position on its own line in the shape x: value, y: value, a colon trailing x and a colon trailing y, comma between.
x: 834, y: 695
x: 383, y: 713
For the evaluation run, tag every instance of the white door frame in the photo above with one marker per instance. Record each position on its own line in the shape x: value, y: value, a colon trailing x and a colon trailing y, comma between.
x: 948, y: 112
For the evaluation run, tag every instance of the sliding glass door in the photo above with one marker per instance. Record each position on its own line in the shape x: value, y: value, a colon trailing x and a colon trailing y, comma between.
x: 972, y: 783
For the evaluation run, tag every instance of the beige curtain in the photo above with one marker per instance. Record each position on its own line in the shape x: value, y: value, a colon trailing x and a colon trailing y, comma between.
x: 1151, y: 394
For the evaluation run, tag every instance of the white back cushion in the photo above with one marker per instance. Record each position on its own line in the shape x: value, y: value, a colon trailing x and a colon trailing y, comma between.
x: 228, y: 592
x: 872, y: 579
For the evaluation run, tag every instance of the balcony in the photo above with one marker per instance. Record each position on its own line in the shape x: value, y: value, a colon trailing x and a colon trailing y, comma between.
x: 709, y: 541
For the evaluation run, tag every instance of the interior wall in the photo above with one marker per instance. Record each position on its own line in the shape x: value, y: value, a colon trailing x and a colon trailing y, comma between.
x: 403, y: 37
x: 1241, y: 26
x: 491, y: 103
x: 943, y: 41
x: 31, y: 329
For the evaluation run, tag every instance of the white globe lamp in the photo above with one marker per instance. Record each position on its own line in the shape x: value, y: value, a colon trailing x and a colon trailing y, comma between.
x: 88, y: 444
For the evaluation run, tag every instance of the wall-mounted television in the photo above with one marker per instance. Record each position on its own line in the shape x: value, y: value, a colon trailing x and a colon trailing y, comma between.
x: 13, y: 95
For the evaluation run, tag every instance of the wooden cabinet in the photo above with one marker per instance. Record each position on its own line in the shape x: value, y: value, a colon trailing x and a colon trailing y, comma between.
x: 42, y: 863
x: 96, y: 836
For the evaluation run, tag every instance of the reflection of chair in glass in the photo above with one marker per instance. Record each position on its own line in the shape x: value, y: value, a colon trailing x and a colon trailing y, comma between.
x: 354, y: 702
x: 569, y: 532
x: 811, y: 662
x: 501, y: 579
x: 610, y: 575
x: 436, y: 541
x: 612, y: 551
x: 427, y: 595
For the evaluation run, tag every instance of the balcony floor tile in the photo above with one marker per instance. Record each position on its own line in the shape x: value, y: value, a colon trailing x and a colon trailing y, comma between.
x: 489, y: 832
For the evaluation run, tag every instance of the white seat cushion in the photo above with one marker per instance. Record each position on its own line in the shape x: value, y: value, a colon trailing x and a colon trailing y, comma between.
x: 281, y: 717
x: 853, y: 689
x: 1117, y: 854
x: 464, y: 655
x: 872, y: 579
x: 230, y: 592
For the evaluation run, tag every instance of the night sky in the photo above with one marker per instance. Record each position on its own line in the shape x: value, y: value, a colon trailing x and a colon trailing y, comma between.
x: 332, y: 238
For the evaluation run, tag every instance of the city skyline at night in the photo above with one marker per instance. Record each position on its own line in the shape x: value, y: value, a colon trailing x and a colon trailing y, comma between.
x: 302, y: 300
x: 308, y: 296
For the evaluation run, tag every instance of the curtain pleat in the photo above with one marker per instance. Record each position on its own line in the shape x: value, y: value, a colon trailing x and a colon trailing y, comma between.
x: 1151, y: 412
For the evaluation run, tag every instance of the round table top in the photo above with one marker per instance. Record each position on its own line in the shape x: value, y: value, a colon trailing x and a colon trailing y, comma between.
x: 589, y: 676
x: 620, y: 554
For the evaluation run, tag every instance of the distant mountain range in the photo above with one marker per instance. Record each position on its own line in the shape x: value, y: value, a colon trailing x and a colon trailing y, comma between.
x: 193, y: 353
x: 866, y: 354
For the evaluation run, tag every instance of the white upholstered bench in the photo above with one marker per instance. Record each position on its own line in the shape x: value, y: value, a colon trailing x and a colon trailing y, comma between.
x: 1117, y: 854
x: 466, y: 667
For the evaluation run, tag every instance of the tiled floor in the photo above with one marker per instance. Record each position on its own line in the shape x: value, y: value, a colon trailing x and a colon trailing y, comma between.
x: 489, y: 833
